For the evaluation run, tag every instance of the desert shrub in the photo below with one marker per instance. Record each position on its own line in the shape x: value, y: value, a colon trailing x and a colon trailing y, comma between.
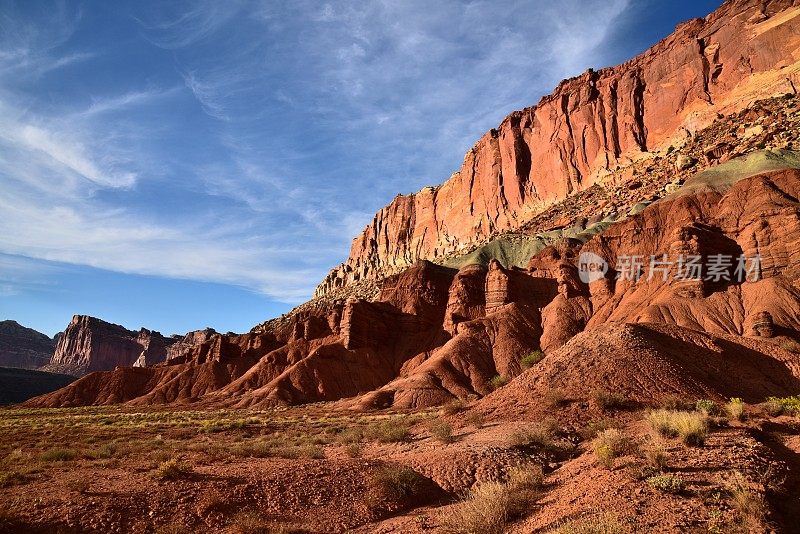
x: 788, y: 405
x: 599, y: 524
x: 391, y: 431
x: 608, y: 400
x: 392, y: 483
x: 555, y: 397
x: 524, y: 484
x: 655, y: 454
x: 675, y: 403
x: 735, y: 409
x: 308, y: 450
x: 539, y: 435
x: 351, y: 435
x: 692, y: 427
x: 485, y: 510
x: 773, y: 407
x: 531, y: 359
x: 707, y: 407
x: 253, y: 449
x: 59, y: 455
x: 475, y: 419
x: 595, y: 427
x: 173, y: 469
x: 498, y: 381
x: 441, y: 431
x: 667, y: 483
x: 453, y: 407
x: 609, y: 445
x: 104, y: 452
x: 751, y: 510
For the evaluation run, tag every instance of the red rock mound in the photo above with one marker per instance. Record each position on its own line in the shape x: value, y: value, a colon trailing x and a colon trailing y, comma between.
x: 647, y: 363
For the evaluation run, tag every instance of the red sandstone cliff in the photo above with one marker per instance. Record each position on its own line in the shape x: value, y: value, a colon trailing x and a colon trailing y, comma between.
x: 588, y: 127
x: 89, y: 344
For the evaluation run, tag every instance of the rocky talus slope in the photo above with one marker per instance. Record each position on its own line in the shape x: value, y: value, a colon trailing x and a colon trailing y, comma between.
x: 89, y: 344
x: 587, y: 131
x: 22, y: 347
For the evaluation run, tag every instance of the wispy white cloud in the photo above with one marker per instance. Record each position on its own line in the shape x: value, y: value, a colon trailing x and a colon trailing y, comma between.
x: 319, y: 115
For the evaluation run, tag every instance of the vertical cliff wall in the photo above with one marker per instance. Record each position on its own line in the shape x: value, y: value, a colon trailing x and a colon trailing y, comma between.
x: 89, y: 344
x: 589, y: 127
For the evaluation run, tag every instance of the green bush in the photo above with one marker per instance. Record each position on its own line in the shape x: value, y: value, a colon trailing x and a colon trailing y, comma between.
x: 667, y: 483
x: 498, y: 381
x: 788, y: 405
x: 531, y: 359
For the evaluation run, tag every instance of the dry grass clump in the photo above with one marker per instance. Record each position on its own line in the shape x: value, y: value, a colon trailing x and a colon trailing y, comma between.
x: 12, y: 478
x: 655, y: 453
x: 751, y: 510
x: 667, y: 483
x: 441, y: 431
x: 599, y: 524
x: 354, y: 450
x: 59, y: 455
x: 735, y: 409
x: 485, y: 510
x: 453, y: 407
x: 609, y: 445
x: 488, y: 507
x: 524, y: 484
x: 540, y: 435
x: 391, y: 431
x: 608, y: 400
x: 475, y: 419
x: 392, y: 484
x: 692, y: 427
x: 173, y: 469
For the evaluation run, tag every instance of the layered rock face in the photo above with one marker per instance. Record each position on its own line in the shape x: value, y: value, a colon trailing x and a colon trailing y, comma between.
x: 22, y: 347
x: 588, y: 127
x: 89, y: 344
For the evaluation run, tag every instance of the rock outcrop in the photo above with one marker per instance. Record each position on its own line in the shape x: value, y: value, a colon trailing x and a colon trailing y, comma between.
x: 89, y: 344
x: 589, y: 127
x: 24, y: 348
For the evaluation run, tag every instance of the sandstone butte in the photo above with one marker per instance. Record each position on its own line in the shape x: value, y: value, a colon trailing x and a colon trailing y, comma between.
x: 589, y: 127
x: 720, y: 92
x: 90, y: 344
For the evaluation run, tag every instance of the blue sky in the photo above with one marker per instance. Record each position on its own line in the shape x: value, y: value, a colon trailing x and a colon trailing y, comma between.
x: 177, y: 165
